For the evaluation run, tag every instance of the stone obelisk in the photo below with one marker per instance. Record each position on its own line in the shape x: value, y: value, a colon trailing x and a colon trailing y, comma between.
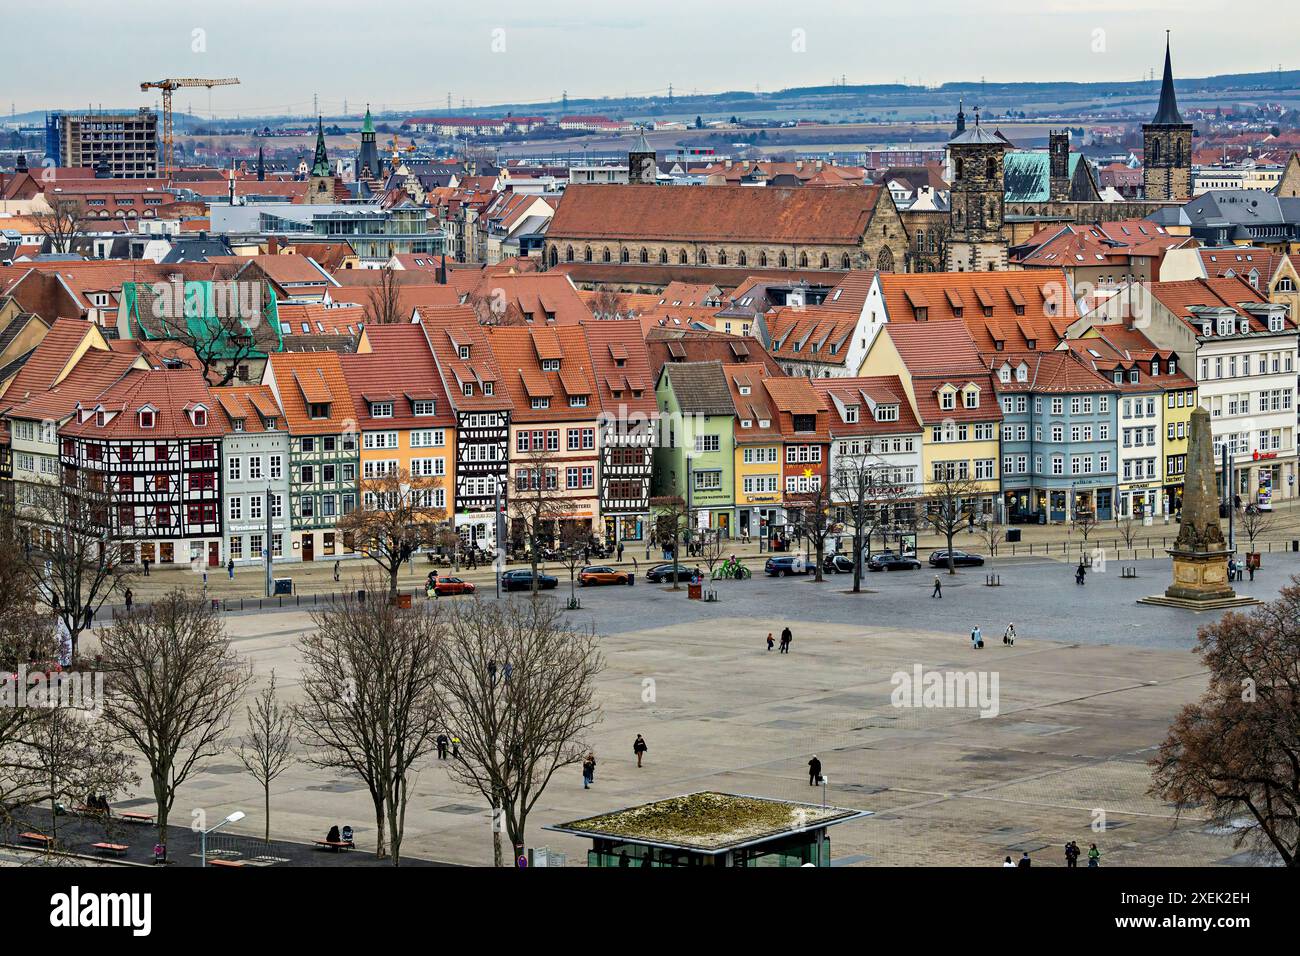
x: 1200, y: 554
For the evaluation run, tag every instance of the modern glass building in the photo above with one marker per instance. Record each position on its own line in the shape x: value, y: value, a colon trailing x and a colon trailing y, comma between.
x: 712, y: 829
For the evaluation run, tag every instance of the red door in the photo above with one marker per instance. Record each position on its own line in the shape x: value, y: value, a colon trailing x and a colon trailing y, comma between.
x: 309, y: 547
x: 214, y: 554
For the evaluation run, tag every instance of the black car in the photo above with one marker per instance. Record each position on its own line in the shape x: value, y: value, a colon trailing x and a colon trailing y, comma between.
x: 664, y: 572
x: 889, y: 561
x: 780, y: 567
x: 960, y: 559
x: 838, y: 564
x: 522, y: 580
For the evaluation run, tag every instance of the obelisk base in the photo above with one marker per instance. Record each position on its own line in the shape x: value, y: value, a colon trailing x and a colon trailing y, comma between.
x: 1200, y: 583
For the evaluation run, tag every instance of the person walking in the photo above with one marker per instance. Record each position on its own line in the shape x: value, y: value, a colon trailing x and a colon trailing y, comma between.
x: 230, y: 568
x: 770, y: 642
x: 492, y: 673
x: 639, y: 748
x: 145, y: 564
x: 128, y: 596
x: 1009, y: 635
x: 455, y: 746
x: 336, y: 572
x: 1094, y: 855
x: 976, y: 638
x: 814, y: 771
x: 506, y: 670
x: 1024, y: 859
x: 442, y: 742
x: 620, y: 552
x: 938, y: 588
x: 786, y: 638
x: 1006, y: 862
x: 588, y: 771
x: 1072, y: 855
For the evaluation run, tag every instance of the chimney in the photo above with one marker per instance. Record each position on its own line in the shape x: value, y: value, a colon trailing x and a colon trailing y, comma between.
x: 273, y: 246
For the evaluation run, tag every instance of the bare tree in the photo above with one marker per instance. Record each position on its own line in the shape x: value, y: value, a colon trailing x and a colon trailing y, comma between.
x: 172, y: 684
x: 573, y: 552
x: 371, y: 705
x: 519, y: 683
x: 811, y: 515
x: 950, y: 508
x: 397, y: 516
x: 1128, y: 529
x: 225, y: 335
x: 607, y: 304
x: 1085, y: 522
x: 536, y: 505
x: 384, y: 299
x: 860, y: 484
x: 63, y: 225
x: 71, y: 552
x: 672, y: 523
x: 493, y: 307
x: 267, y: 749
x: 712, y: 547
x: 1236, y: 752
x: 1255, y: 523
x: 992, y: 534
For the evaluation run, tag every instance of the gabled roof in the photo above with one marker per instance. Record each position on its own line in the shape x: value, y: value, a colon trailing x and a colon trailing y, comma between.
x: 396, y: 361
x: 866, y: 392
x: 300, y: 377
x: 172, y: 394
x: 700, y: 388
x: 813, y: 334
x: 621, y: 363
x: 447, y: 330
x: 252, y: 404
x: 518, y: 357
x: 670, y: 346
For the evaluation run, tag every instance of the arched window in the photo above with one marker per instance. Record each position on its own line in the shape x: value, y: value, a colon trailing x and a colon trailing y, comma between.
x: 722, y: 257
x: 568, y: 253
x: 555, y: 256
x: 663, y: 257
x: 1155, y: 152
x: 762, y: 259
x: 990, y: 168
x: 587, y: 254
x: 604, y: 254
x: 846, y: 262
x: 803, y: 260
x: 920, y: 239
x: 784, y: 261
x: 645, y: 254
x: 682, y: 258
x: 885, y: 261
x: 961, y: 168
x: 742, y: 258
x: 826, y: 261
x: 703, y: 257
x: 625, y: 255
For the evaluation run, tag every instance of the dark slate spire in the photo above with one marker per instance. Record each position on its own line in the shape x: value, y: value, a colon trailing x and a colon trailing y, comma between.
x: 1167, y: 114
x: 321, y: 165
x: 261, y: 166
x: 961, y: 116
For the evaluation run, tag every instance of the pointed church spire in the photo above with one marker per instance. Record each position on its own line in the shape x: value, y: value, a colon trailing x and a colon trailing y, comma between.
x: 961, y: 115
x: 1167, y: 114
x: 369, y: 125
x: 261, y: 166
x: 321, y: 165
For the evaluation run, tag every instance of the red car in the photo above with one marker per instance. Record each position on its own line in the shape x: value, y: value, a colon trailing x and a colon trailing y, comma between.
x: 446, y: 587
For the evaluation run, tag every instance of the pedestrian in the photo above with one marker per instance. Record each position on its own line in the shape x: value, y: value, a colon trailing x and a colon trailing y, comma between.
x: 442, y: 742
x: 786, y: 638
x: 455, y: 746
x: 1006, y: 862
x: 507, y: 670
x: 492, y: 673
x: 1009, y: 635
x: 976, y: 638
x: 1024, y: 859
x: 1094, y: 855
x: 620, y: 552
x: 639, y: 748
x: 230, y: 568
x: 1230, y: 569
x: 90, y: 618
x: 145, y: 563
x: 938, y: 588
x: 128, y: 596
x: 336, y: 572
x: 1250, y: 566
x: 588, y: 771
x: 814, y: 771
x: 770, y: 642
x: 1072, y: 855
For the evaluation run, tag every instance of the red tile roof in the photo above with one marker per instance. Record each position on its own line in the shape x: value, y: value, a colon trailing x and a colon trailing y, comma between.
x: 300, y: 377
x: 864, y: 392
x: 168, y: 392
x: 518, y: 356
x: 400, y: 364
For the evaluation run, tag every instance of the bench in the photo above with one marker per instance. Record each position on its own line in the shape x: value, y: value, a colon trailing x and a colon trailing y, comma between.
x: 117, y: 848
x: 335, y: 845
x: 40, y: 839
x: 132, y: 817
x: 226, y: 863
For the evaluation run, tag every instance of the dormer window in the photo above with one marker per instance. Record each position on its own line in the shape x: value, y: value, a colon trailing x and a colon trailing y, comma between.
x: 1119, y: 378
x: 550, y: 365
x: 746, y: 422
x: 381, y: 409
x: 1022, y: 372
x: 764, y: 423
x: 947, y: 400
x: 488, y: 388
x: 424, y: 408
x: 577, y: 401
x: 886, y: 413
x: 1155, y: 366
x: 1004, y: 373
x: 146, y: 418
x: 100, y: 418
x: 1205, y: 329
x: 850, y: 414
x: 540, y: 403
x: 1275, y: 323
x: 199, y: 416
x: 464, y: 352
x: 318, y: 410
x: 1171, y: 366
x: 971, y: 398
x: 467, y: 389
x: 237, y: 424
x: 1133, y: 376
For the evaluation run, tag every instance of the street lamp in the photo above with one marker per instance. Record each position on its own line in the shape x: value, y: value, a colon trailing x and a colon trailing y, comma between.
x: 203, y: 834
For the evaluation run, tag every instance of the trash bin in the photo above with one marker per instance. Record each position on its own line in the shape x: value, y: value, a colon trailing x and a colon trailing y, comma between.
x: 631, y: 578
x: 404, y: 601
x: 694, y: 592
x: 283, y: 586
x: 1013, y: 535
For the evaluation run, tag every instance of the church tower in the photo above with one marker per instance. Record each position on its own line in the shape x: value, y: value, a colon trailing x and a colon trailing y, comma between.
x: 1167, y: 146
x: 1058, y: 154
x: 975, y: 243
x: 321, y: 179
x: 642, y: 166
x: 368, y: 162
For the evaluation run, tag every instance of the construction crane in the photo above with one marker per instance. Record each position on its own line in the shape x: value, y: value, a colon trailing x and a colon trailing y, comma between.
x: 168, y: 87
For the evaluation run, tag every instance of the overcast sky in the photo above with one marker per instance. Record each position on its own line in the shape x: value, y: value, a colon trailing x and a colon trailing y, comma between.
x: 70, y: 53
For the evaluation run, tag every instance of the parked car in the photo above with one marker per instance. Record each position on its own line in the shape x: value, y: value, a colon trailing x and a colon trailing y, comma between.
x: 838, y: 564
x: 960, y: 559
x: 664, y: 572
x: 889, y: 561
x: 599, y: 574
x: 521, y: 579
x: 783, y: 566
x: 447, y: 587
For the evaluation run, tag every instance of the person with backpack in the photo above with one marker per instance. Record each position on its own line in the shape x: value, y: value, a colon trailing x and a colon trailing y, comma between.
x: 1072, y: 854
x: 1009, y: 635
x: 1094, y: 855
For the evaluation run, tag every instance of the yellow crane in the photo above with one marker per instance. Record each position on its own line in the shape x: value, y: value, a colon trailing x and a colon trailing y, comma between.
x: 168, y: 87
